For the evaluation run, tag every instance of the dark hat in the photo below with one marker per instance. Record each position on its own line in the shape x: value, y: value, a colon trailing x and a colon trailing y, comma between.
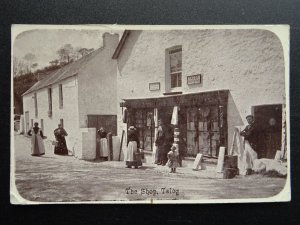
x: 131, y: 128
x: 249, y: 116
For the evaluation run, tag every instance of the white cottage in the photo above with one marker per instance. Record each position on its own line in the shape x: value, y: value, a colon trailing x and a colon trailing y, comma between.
x: 81, y: 96
x: 214, y: 77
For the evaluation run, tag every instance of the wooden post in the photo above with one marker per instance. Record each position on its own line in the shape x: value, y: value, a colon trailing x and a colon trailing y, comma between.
x: 123, y: 132
x: 155, y: 116
x: 198, y: 162
x: 220, y: 164
x: 110, y: 147
x: 283, y: 133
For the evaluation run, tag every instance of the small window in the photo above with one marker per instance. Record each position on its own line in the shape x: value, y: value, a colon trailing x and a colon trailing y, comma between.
x: 175, y: 67
x: 62, y: 122
x: 35, y: 105
x: 42, y: 125
x: 60, y: 96
x: 49, y: 102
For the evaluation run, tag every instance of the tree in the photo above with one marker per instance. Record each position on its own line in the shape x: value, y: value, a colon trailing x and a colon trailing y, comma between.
x: 20, y: 67
x: 54, y: 62
x: 66, y: 53
x: 34, y: 65
x: 85, y: 51
x: 30, y: 58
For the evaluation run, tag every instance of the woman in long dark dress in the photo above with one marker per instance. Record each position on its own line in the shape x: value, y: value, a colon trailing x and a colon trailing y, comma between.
x: 131, y: 156
x: 61, y: 145
x: 37, y: 144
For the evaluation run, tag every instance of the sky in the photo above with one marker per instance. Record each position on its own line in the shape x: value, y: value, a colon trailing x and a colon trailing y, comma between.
x: 44, y: 43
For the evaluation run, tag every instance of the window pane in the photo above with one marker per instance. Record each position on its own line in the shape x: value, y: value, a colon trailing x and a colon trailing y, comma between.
x: 179, y: 79
x: 175, y: 61
x: 175, y: 80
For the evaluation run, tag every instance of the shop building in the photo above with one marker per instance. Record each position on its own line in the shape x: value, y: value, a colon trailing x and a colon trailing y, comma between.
x: 213, y: 77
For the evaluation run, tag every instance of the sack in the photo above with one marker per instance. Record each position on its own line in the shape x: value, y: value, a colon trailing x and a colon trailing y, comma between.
x: 55, y: 143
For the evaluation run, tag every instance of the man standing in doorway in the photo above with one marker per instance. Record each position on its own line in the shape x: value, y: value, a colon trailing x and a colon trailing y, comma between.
x: 159, y: 142
x: 251, y: 133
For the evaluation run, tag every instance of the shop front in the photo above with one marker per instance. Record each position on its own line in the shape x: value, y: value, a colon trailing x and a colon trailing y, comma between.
x: 201, y: 120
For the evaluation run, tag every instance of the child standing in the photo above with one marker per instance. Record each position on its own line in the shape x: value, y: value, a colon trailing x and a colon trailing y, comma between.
x: 173, y: 159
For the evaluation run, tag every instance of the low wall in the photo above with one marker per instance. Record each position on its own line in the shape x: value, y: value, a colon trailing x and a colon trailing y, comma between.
x: 88, y: 144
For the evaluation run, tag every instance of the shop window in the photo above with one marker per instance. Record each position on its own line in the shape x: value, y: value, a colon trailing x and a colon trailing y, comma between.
x: 175, y: 67
x: 203, y: 132
x: 144, y: 123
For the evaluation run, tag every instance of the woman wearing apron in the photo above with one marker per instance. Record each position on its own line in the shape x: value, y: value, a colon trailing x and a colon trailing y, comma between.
x: 132, y: 158
x: 37, y: 143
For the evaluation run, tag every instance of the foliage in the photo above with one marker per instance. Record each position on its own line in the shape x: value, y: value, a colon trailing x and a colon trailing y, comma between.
x: 24, y: 78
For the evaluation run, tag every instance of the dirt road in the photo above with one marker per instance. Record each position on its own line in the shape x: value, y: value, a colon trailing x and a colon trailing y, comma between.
x: 53, y: 178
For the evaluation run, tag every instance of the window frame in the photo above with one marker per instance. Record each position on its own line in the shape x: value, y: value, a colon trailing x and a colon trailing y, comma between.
x: 177, y: 73
x: 35, y: 105
x: 49, y: 101
x: 60, y: 90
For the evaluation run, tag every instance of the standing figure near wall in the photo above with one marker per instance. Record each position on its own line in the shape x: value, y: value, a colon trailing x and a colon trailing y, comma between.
x: 103, y: 143
x: 159, y: 142
x: 132, y: 156
x: 173, y: 159
x: 37, y: 143
x: 169, y: 140
x: 250, y: 134
x: 61, y: 145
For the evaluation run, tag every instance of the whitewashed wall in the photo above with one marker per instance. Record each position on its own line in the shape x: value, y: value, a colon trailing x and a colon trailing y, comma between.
x: 69, y: 112
x: 98, y: 82
x: 247, y: 62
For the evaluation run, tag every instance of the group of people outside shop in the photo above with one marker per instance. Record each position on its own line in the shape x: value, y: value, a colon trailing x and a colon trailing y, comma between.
x: 37, y: 143
x: 167, y: 153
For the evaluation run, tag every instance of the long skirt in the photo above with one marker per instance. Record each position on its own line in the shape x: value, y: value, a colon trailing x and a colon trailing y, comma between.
x: 61, y: 147
x: 37, y: 145
x: 130, y: 156
x: 103, y: 147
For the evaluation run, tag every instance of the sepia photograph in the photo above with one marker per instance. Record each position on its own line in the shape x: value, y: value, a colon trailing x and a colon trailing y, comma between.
x: 149, y: 114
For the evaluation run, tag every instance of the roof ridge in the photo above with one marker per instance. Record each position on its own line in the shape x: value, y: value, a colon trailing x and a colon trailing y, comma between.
x: 63, y: 72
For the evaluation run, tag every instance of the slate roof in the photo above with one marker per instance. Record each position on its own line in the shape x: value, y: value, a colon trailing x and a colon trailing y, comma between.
x: 67, y: 71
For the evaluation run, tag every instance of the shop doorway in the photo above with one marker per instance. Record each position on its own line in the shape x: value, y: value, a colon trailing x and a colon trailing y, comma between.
x: 269, y: 121
x: 108, y: 122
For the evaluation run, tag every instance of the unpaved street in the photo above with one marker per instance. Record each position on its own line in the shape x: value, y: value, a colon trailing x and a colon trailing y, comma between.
x: 53, y: 178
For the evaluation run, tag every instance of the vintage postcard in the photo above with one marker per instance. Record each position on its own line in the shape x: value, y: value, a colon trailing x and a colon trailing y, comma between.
x: 150, y: 114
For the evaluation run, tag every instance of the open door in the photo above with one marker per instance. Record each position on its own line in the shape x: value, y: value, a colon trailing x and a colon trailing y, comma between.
x: 269, y: 120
